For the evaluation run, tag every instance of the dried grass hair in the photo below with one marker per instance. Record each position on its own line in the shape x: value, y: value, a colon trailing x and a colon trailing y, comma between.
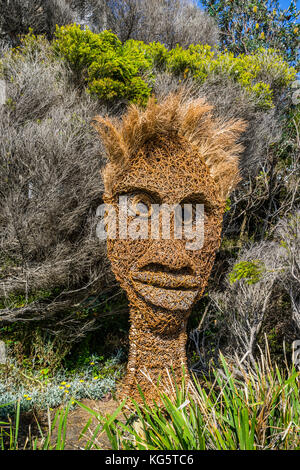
x: 216, y: 140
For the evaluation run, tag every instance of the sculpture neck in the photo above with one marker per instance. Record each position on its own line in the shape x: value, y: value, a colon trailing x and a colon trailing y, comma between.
x: 151, y: 354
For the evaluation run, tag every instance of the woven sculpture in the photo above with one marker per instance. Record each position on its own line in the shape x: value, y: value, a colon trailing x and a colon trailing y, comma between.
x: 171, y: 153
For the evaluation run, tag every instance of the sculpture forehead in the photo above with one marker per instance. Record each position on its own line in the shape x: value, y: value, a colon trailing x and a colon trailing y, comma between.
x: 174, y: 175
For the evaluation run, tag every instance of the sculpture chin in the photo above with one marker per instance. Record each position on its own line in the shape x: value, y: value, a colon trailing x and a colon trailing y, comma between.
x: 167, y: 298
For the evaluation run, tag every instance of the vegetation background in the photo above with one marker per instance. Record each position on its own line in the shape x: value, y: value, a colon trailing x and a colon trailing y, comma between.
x: 63, y: 318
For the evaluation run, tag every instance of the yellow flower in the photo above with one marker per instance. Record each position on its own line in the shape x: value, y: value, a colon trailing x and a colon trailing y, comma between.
x: 185, y: 73
x: 81, y: 381
x: 262, y: 36
x: 255, y: 9
x: 66, y: 391
x: 296, y: 30
x: 63, y: 383
x: 28, y: 398
x: 92, y: 363
x: 274, y: 12
x: 61, y: 388
x: 68, y: 386
x: 95, y: 378
x: 25, y: 396
x: 257, y: 26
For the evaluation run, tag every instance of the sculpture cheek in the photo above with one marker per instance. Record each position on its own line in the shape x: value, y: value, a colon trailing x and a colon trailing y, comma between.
x: 123, y: 254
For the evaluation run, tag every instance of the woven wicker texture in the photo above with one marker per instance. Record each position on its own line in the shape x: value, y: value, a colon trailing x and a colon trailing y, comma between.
x: 171, y: 153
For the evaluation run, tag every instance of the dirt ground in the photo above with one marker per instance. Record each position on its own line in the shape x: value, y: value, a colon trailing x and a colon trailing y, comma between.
x: 32, y: 422
x: 78, y: 418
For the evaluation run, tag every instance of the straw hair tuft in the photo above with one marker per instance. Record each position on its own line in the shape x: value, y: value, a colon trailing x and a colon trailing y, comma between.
x: 215, y: 139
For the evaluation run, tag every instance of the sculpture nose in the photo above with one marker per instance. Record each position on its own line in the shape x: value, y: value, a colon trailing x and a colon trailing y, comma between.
x: 168, y: 256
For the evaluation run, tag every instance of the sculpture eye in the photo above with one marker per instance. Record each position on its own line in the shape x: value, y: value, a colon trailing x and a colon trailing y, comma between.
x: 189, y: 213
x: 140, y: 205
x: 186, y: 213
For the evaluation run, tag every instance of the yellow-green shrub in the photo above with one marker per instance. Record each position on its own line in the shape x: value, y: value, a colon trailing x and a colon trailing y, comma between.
x: 250, y: 271
x: 114, y: 70
x: 260, y: 73
x: 82, y: 47
x: 111, y: 69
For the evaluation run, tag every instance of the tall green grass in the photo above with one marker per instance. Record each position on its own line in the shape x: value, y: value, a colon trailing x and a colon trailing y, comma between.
x: 10, y: 432
x: 233, y: 409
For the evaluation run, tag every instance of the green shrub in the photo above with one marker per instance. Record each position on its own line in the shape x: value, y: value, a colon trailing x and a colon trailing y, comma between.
x: 245, y: 26
x: 250, y: 271
x: 111, y: 70
x: 114, y: 70
x: 260, y: 73
x: 82, y: 47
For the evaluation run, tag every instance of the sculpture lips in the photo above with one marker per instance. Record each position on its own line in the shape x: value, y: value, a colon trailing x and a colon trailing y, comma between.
x: 166, y: 280
x: 170, y: 299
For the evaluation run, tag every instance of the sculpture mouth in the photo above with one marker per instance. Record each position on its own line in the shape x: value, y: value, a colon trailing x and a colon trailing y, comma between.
x: 166, y: 290
x: 166, y: 280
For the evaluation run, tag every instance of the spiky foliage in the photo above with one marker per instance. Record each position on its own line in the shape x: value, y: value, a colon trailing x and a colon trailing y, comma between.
x: 215, y: 139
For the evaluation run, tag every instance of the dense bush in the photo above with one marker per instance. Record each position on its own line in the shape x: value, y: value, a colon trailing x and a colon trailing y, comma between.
x: 39, y: 390
x: 17, y: 16
x: 170, y: 22
x: 245, y: 26
x: 50, y: 189
x: 114, y: 70
x: 262, y: 73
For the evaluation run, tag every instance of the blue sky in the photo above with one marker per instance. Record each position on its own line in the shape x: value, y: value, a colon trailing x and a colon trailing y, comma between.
x: 286, y: 3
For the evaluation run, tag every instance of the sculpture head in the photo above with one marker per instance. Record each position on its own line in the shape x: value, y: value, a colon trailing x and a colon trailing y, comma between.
x: 167, y: 157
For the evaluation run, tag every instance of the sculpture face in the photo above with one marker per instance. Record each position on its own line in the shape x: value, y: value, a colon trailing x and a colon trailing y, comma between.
x: 162, y: 277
